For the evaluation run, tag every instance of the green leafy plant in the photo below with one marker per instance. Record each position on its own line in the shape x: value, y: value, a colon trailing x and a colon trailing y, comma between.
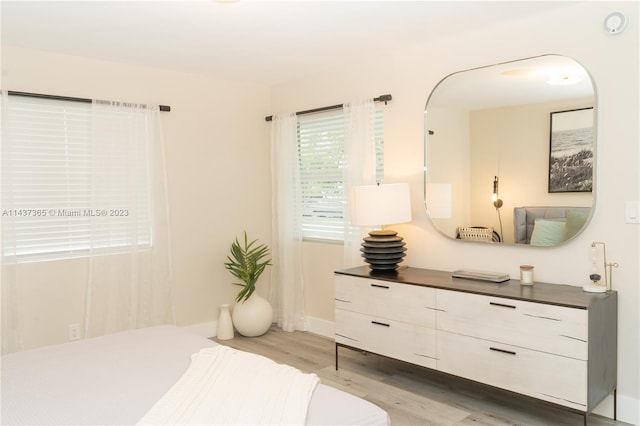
x: 247, y: 262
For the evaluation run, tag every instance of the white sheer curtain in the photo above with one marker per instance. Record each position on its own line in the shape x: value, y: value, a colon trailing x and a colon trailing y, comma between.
x: 360, y: 153
x: 287, y: 286
x: 105, y: 164
x: 133, y: 287
x: 11, y: 336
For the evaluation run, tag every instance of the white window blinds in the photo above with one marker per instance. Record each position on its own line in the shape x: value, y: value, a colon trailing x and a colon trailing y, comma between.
x: 68, y: 188
x: 321, y: 153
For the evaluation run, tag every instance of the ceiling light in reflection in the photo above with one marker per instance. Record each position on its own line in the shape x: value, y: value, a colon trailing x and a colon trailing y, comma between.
x: 563, y: 80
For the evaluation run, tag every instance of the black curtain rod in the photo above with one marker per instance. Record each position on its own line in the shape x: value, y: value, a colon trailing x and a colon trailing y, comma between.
x: 381, y: 98
x: 67, y: 98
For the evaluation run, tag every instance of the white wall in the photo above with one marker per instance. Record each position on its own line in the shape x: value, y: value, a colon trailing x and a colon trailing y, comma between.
x: 412, y: 73
x: 217, y: 156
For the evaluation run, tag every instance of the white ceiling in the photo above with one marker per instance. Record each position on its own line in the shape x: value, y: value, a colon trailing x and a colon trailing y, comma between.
x: 262, y: 41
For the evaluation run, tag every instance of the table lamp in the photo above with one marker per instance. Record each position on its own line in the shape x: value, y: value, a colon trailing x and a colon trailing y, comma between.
x: 381, y: 205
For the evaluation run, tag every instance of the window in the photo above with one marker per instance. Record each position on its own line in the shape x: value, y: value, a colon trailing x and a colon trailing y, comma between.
x: 66, y: 190
x: 320, y: 147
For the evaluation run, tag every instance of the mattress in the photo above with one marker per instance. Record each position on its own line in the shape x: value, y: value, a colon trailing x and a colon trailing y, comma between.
x: 116, y: 379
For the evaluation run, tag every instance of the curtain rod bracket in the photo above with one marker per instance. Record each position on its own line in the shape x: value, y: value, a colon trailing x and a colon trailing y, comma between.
x: 383, y: 98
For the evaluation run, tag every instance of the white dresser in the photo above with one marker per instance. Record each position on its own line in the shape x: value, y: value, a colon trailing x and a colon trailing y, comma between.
x: 551, y: 342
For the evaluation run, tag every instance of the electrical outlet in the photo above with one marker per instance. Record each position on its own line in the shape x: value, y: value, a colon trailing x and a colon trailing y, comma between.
x: 74, y: 332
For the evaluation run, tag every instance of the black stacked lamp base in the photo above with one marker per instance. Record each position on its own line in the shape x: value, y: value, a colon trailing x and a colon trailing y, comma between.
x: 383, y: 250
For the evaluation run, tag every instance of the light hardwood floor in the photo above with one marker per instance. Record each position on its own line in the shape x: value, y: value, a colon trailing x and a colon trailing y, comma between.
x: 411, y: 395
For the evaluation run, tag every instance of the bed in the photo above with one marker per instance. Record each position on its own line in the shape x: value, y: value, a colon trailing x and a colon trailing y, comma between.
x: 547, y: 226
x: 118, y: 378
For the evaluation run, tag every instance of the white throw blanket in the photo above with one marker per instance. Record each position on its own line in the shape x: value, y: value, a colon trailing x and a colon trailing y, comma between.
x: 227, y: 386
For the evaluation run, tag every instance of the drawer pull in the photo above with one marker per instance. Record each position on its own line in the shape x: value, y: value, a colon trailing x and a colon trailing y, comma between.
x: 379, y: 323
x: 379, y: 286
x: 502, y: 305
x: 504, y: 351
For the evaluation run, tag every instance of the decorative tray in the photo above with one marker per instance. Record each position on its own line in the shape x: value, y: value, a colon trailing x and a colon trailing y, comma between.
x: 473, y: 274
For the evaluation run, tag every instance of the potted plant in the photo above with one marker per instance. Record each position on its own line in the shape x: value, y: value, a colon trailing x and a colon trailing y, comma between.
x: 252, y: 314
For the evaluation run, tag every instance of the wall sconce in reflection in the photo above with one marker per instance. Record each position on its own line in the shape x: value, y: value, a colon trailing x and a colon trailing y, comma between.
x: 497, y: 203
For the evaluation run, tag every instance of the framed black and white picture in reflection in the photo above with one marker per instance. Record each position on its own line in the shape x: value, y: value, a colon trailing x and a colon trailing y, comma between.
x: 571, y: 151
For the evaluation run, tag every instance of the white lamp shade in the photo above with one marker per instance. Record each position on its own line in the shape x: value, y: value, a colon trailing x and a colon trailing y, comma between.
x: 438, y: 197
x: 373, y: 205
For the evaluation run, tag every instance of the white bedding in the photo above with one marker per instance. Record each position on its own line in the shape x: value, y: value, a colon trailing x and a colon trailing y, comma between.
x: 225, y: 386
x: 116, y: 379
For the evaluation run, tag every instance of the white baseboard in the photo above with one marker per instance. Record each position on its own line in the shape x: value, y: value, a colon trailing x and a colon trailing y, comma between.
x: 628, y: 409
x: 321, y: 327
x: 318, y: 326
x: 204, y: 329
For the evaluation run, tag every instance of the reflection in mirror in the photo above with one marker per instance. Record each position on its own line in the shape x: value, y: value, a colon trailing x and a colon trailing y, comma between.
x: 495, y: 165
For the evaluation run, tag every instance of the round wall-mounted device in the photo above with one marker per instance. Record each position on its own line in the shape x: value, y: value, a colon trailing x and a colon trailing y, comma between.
x: 615, y: 23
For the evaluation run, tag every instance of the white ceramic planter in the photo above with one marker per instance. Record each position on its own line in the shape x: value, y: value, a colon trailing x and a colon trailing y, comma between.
x: 253, y: 317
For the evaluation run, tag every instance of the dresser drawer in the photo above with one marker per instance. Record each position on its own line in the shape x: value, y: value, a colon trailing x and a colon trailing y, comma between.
x: 552, y: 378
x: 395, y: 339
x: 548, y: 328
x: 386, y: 299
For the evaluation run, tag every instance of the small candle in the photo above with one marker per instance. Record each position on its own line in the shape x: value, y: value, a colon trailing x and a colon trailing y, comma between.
x: 526, y: 274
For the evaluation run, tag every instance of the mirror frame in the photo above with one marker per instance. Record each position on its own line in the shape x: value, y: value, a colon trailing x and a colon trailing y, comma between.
x: 429, y: 133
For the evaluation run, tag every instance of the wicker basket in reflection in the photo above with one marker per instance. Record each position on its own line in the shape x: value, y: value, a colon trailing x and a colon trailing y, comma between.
x: 475, y: 233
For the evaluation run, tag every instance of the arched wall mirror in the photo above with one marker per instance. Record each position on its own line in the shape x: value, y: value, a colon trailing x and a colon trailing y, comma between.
x: 521, y: 132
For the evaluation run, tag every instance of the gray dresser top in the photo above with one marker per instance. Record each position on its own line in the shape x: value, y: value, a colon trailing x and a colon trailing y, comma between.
x: 551, y: 294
